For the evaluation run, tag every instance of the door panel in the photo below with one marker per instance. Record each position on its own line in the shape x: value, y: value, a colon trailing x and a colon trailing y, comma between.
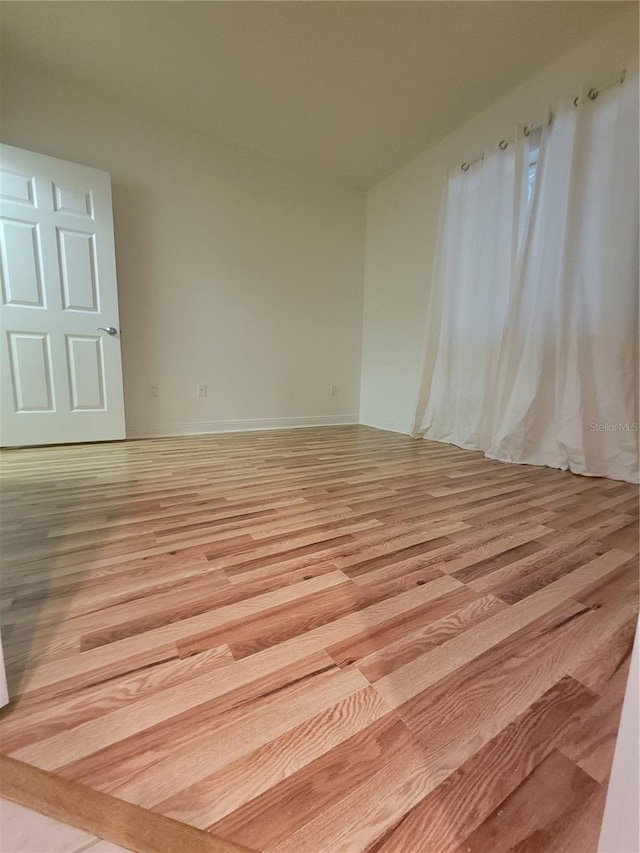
x: 31, y: 376
x: 86, y: 373
x: 60, y: 376
x: 78, y: 273
x: 67, y: 200
x: 17, y: 188
x: 21, y: 266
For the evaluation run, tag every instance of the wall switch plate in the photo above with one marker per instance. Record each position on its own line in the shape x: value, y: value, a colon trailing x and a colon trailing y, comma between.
x: 202, y: 390
x: 155, y: 390
x: 333, y: 390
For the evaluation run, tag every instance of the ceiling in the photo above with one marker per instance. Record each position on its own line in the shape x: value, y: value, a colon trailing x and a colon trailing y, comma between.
x: 347, y: 90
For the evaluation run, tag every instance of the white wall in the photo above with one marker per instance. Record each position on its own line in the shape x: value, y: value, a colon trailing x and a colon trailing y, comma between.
x: 232, y: 270
x: 247, y: 276
x: 402, y: 217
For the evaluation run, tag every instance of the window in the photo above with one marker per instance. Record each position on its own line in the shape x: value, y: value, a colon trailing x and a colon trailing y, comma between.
x: 531, y: 177
x: 532, y: 162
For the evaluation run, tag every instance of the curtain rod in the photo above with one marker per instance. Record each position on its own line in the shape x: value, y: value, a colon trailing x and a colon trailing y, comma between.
x: 592, y: 94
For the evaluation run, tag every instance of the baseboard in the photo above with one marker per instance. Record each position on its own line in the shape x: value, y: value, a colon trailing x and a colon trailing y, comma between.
x: 386, y: 424
x: 247, y: 425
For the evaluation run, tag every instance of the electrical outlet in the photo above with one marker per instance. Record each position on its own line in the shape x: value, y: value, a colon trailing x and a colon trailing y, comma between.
x: 155, y: 390
x: 202, y: 390
x: 333, y: 390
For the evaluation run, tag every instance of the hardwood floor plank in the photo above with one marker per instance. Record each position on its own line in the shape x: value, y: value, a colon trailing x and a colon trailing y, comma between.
x: 331, y: 639
x: 352, y: 648
x: 591, y: 740
x: 414, y: 677
x: 169, y: 705
x: 242, y: 781
x: 45, y: 718
x: 612, y: 655
x: 525, y: 576
x: 576, y: 829
x: 377, y: 664
x: 472, y: 704
x: 106, y: 661
x: 310, y: 807
x: 244, y: 732
x: 466, y: 798
x: 551, y: 793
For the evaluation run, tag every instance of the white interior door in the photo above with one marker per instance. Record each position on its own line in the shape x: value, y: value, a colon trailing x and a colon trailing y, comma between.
x: 60, y: 372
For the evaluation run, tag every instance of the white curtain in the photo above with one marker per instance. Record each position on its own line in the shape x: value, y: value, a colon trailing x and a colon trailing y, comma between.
x: 532, y: 340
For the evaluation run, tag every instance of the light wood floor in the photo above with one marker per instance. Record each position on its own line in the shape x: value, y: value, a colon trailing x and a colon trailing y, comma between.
x: 336, y: 639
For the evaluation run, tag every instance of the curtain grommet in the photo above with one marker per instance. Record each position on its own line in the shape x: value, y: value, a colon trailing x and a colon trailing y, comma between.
x: 465, y: 167
x: 503, y: 145
x: 592, y: 94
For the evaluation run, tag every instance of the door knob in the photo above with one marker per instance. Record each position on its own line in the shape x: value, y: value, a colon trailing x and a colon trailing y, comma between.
x: 110, y: 330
